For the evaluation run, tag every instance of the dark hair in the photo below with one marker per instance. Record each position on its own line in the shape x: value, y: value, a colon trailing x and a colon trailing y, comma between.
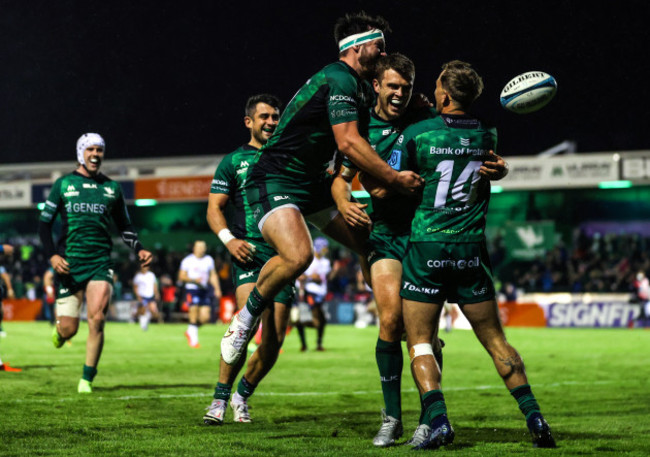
x: 461, y: 81
x: 398, y: 62
x: 353, y: 23
x: 251, y: 103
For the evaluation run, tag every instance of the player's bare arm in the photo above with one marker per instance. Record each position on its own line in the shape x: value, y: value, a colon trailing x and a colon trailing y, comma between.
x: 239, y: 249
x: 496, y: 168
x: 353, y: 212
x: 352, y: 144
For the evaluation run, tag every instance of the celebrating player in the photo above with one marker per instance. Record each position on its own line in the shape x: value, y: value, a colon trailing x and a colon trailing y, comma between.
x: 250, y: 252
x: 289, y: 183
x: 87, y: 201
x: 197, y: 271
x: 391, y: 225
x: 446, y: 256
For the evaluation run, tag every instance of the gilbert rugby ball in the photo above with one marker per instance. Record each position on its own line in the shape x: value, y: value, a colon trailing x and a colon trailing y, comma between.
x: 528, y: 92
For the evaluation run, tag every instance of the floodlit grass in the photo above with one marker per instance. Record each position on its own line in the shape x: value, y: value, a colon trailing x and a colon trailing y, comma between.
x: 152, y: 389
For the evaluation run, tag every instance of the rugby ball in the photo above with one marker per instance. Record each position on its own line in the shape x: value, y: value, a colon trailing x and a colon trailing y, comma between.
x: 528, y: 92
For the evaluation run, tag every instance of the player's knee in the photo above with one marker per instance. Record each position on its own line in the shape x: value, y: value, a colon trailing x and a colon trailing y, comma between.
x: 67, y: 328
x: 419, y: 350
x: 391, y: 325
x: 96, y: 323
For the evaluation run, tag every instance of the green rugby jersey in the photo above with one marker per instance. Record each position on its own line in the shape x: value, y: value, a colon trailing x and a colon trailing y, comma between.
x: 86, y: 206
x: 393, y: 215
x: 447, y: 152
x: 229, y: 179
x: 303, y: 144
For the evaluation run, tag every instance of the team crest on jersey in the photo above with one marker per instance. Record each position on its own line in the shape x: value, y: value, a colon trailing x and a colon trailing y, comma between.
x: 465, y: 141
x: 71, y: 191
x: 109, y: 192
x: 395, y: 159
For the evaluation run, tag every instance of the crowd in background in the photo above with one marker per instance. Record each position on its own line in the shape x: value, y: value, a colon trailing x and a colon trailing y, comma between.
x: 597, y: 263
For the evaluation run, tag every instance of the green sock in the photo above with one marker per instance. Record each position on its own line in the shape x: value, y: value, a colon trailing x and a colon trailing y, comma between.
x: 256, y: 304
x: 222, y: 391
x: 245, y: 388
x: 89, y: 373
x: 390, y: 361
x: 433, y: 404
x: 525, y: 399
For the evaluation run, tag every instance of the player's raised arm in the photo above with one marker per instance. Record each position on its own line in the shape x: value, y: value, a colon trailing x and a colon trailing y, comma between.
x: 357, y: 149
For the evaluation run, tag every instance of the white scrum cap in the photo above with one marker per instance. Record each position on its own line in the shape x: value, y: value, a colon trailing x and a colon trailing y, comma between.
x: 86, y: 140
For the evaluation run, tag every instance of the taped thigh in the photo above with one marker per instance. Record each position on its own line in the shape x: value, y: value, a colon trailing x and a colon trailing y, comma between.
x: 69, y: 306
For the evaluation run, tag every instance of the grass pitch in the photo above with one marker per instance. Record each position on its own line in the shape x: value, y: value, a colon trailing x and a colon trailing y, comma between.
x: 152, y: 390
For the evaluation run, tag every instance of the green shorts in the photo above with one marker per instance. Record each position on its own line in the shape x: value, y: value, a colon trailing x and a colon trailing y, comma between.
x: 246, y: 273
x: 457, y: 272
x: 266, y: 194
x: 83, y: 271
x: 382, y: 246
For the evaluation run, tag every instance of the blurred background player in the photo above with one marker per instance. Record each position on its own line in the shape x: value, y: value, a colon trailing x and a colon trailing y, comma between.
x: 249, y: 253
x: 314, y: 284
x: 642, y: 287
x: 447, y: 256
x: 198, y: 273
x: 147, y: 293
x: 6, y: 289
x: 49, y: 295
x: 289, y: 183
x: 87, y: 201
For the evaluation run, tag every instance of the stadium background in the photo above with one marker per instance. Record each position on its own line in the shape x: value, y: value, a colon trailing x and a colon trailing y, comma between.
x: 162, y: 80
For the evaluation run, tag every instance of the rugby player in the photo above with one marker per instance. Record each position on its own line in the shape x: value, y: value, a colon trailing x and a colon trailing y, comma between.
x: 289, y: 185
x: 197, y: 272
x: 447, y: 258
x: 87, y: 201
x: 249, y: 252
x: 145, y: 289
x: 314, y: 284
x: 6, y: 289
x: 5, y: 249
x: 392, y: 214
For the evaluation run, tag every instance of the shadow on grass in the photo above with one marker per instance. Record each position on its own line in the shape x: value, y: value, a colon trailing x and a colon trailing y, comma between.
x: 151, y: 387
x: 41, y: 367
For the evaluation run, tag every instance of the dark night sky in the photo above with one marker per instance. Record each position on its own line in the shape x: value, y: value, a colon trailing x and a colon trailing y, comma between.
x: 170, y: 78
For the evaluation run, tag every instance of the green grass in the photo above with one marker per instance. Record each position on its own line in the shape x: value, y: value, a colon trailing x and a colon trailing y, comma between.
x: 152, y: 389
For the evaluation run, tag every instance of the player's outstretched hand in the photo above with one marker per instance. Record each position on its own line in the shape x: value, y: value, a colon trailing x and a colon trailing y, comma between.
x: 409, y: 182
x: 59, y: 264
x: 145, y: 257
x: 241, y: 250
x: 495, y: 168
x: 354, y: 215
x: 7, y: 249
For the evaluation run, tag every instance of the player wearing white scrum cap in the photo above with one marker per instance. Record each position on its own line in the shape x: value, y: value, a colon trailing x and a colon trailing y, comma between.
x: 88, y: 202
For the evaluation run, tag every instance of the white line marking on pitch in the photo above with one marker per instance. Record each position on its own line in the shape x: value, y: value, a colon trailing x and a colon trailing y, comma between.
x: 283, y: 394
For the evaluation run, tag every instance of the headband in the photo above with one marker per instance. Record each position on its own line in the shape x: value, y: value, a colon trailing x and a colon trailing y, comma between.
x: 86, y: 140
x: 360, y: 38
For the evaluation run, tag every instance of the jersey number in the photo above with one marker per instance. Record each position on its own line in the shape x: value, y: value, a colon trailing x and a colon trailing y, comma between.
x: 445, y: 168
